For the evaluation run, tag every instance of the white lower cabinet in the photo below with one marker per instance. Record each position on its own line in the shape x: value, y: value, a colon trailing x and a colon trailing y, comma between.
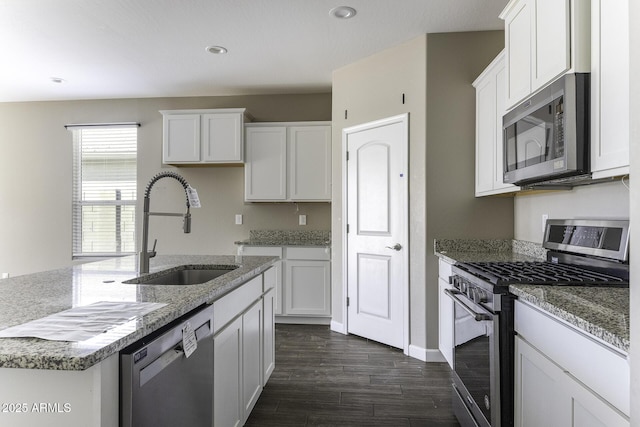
x: 227, y: 376
x: 243, y: 349
x: 251, y: 357
x: 306, y: 288
x: 302, y: 282
x: 564, y: 378
x: 445, y: 316
x: 268, y: 335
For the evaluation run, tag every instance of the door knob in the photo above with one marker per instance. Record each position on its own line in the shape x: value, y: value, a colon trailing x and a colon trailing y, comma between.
x: 395, y: 247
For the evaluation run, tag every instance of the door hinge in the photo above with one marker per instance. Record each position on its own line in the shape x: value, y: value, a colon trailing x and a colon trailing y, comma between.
x: 345, y: 114
x: 347, y: 228
x: 347, y: 301
x: 347, y: 156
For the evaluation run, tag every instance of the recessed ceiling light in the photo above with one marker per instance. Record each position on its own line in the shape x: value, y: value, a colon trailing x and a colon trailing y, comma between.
x: 343, y: 12
x: 218, y: 50
x: 57, y: 80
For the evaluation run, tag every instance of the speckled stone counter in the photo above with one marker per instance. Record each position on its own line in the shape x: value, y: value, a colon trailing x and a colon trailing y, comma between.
x: 488, y: 250
x: 287, y: 238
x: 34, y: 296
x: 602, y: 312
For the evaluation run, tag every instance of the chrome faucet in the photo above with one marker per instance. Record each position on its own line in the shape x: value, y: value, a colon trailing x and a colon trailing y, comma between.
x: 145, y: 254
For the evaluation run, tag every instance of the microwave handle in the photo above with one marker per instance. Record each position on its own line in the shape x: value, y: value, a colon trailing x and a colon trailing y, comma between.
x: 477, y: 316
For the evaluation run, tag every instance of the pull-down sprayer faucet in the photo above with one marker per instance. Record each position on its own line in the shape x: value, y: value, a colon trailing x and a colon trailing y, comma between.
x: 145, y: 254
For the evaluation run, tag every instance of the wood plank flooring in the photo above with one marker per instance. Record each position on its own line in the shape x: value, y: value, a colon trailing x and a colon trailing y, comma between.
x: 324, y: 378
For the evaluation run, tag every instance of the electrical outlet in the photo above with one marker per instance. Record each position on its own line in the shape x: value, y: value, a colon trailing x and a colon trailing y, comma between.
x: 302, y: 219
x: 545, y: 217
x: 238, y: 219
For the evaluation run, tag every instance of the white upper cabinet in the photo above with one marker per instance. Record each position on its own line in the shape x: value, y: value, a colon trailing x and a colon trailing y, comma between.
x: 203, y: 136
x: 310, y: 162
x: 490, y: 100
x: 610, y: 88
x: 265, y: 172
x: 543, y: 40
x: 288, y: 162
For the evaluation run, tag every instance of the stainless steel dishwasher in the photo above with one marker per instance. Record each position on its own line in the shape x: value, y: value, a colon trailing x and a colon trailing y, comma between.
x: 160, y: 385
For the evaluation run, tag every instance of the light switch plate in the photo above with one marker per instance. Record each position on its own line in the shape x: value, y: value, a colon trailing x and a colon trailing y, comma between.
x: 302, y: 219
x: 238, y: 219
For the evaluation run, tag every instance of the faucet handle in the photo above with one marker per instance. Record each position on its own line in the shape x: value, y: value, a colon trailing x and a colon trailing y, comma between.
x: 152, y: 253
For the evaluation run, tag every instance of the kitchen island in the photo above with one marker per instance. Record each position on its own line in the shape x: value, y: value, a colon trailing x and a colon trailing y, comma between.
x: 76, y: 383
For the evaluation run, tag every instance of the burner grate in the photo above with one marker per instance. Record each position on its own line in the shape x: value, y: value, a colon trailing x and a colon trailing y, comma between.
x: 539, y: 273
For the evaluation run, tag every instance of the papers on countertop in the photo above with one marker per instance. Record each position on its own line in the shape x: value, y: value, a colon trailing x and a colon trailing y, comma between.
x: 81, y: 323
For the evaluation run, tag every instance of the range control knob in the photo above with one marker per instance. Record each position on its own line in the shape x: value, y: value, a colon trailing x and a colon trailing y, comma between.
x: 478, y: 295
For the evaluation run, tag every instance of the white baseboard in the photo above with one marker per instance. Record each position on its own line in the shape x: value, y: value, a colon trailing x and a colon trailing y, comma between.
x: 425, y: 354
x: 338, y: 327
x: 302, y: 320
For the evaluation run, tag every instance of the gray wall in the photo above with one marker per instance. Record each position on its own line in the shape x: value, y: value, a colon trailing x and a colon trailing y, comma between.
x: 454, y: 61
x: 35, y: 178
x: 436, y: 72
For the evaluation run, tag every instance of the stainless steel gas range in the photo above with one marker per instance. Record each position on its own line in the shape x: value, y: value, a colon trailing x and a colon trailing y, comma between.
x: 581, y: 253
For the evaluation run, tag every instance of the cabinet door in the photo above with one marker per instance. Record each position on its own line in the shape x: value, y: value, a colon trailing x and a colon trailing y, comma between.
x: 490, y: 108
x: 610, y: 88
x: 310, y: 163
x: 227, y: 374
x: 445, y: 325
x: 268, y: 336
x: 266, y: 163
x: 517, y: 27
x: 181, y: 138
x: 539, y: 396
x: 550, y: 41
x: 251, y: 357
x: 485, y: 134
x: 222, y: 137
x: 307, y: 288
x: 589, y: 410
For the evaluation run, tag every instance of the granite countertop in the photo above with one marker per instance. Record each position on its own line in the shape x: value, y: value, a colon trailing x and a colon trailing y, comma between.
x: 601, y: 312
x: 34, y: 296
x: 313, y: 238
x: 488, y: 250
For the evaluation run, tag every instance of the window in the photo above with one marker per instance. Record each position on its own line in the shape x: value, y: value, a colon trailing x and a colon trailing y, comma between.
x: 104, y: 189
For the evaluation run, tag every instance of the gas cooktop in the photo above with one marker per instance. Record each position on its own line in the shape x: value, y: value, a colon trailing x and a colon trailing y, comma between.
x: 539, y: 273
x: 581, y: 253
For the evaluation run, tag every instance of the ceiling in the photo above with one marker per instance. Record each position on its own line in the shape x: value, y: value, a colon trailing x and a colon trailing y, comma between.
x: 156, y: 48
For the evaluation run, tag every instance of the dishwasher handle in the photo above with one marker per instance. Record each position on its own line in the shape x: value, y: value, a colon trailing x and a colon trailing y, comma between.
x: 453, y: 294
x: 154, y: 368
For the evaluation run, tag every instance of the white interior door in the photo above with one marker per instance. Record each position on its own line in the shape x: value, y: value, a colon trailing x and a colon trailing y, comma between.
x: 377, y: 218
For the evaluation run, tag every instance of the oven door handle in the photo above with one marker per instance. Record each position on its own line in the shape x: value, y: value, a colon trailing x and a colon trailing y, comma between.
x: 477, y: 316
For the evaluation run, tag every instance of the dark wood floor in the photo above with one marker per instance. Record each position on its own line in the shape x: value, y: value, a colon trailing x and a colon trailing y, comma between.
x: 323, y: 378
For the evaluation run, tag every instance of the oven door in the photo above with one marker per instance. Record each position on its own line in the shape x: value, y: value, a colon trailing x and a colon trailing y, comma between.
x: 476, y: 375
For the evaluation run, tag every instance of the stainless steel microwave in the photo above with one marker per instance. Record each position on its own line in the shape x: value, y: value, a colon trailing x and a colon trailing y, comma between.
x: 546, y: 137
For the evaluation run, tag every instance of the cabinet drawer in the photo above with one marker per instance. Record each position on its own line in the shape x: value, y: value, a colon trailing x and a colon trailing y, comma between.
x: 270, y: 278
x: 231, y: 305
x: 318, y: 254
x: 444, y: 270
x: 260, y: 251
x: 577, y: 354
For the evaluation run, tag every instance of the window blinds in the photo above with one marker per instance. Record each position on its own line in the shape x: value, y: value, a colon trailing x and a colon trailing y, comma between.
x: 104, y: 190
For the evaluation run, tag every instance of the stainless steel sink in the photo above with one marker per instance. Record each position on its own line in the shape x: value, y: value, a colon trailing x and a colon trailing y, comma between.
x: 184, y: 275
